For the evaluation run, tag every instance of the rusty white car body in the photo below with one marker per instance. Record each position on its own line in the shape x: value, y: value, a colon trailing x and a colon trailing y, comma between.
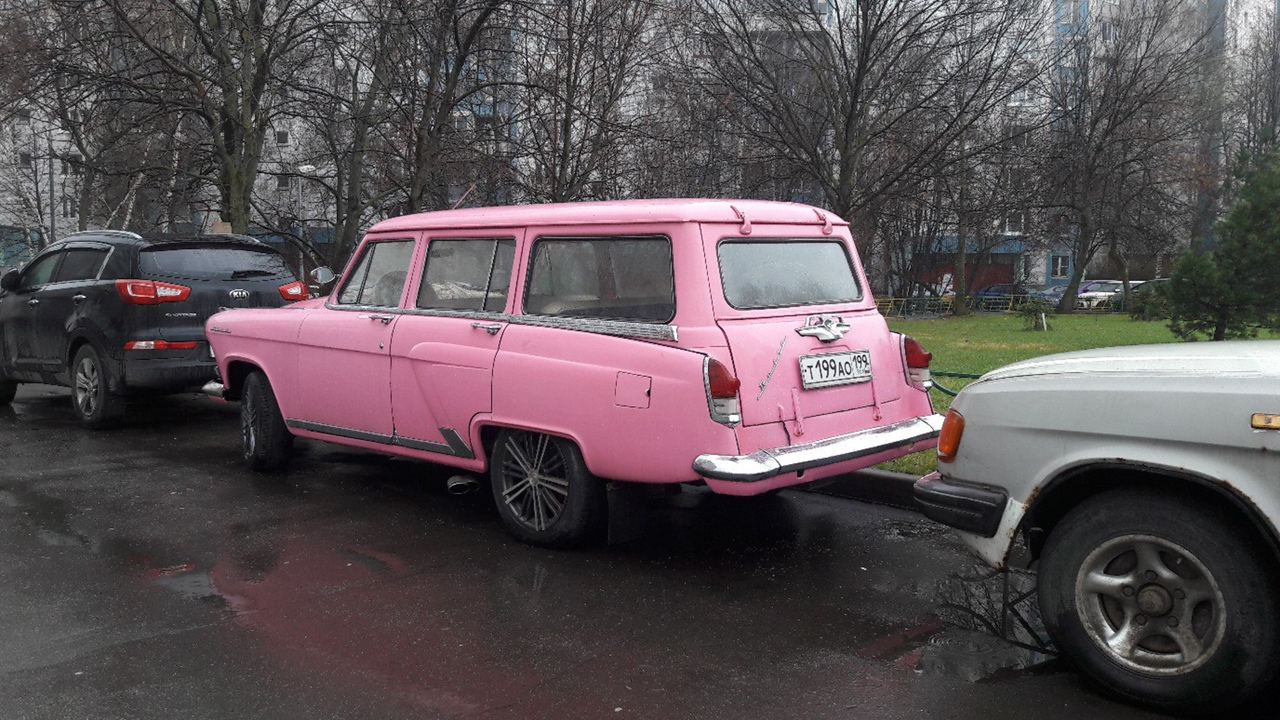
x: 1146, y: 483
x: 558, y: 346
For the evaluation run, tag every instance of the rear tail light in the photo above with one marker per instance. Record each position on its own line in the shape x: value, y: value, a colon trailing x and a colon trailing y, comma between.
x: 295, y: 291
x: 917, y: 359
x: 149, y: 292
x: 159, y: 345
x: 949, y: 438
x: 722, y: 393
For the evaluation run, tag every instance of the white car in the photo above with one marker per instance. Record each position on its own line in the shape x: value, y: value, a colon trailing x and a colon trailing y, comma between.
x: 1144, y: 484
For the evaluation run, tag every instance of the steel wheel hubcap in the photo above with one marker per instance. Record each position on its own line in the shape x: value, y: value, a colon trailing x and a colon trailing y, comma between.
x: 88, y: 385
x: 1150, y: 605
x: 535, y: 486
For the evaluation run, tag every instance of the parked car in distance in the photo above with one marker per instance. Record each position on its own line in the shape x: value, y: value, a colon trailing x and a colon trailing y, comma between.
x: 1099, y: 294
x: 110, y: 313
x: 1000, y: 296
x: 1153, y: 525
x: 560, y: 347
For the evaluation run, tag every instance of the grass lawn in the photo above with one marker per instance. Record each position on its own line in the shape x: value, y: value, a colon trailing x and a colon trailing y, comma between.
x: 979, y: 343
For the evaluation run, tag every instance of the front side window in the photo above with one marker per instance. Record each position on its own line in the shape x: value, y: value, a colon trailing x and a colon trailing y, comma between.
x: 81, y: 264
x: 786, y: 273
x: 467, y: 275
x: 40, y: 271
x: 613, y: 278
x: 378, y: 278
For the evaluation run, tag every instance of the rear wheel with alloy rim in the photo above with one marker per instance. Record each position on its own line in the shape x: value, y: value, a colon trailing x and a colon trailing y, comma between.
x: 1163, y: 601
x: 543, y: 490
x: 91, y: 397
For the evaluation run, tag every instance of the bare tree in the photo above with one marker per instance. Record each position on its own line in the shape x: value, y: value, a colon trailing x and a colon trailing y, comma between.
x: 1120, y: 164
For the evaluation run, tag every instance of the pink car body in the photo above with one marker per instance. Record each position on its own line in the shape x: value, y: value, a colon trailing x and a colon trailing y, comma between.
x: 664, y: 341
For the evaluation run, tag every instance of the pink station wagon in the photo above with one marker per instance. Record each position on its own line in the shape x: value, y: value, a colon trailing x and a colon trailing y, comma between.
x: 558, y: 348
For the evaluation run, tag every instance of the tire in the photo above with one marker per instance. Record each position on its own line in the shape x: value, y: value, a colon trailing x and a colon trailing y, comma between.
x: 92, y: 401
x: 1114, y: 581
x: 8, y: 389
x: 265, y: 439
x: 543, y: 490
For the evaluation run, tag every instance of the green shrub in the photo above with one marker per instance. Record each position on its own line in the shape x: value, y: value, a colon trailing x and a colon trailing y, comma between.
x: 1035, y: 314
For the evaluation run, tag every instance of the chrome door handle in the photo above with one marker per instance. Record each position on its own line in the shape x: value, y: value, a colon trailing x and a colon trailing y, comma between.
x: 33, y: 302
x: 77, y: 299
x: 384, y: 319
x: 491, y: 328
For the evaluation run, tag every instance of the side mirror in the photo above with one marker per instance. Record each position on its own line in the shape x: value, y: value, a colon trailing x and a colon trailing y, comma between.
x: 322, y: 276
x: 9, y: 281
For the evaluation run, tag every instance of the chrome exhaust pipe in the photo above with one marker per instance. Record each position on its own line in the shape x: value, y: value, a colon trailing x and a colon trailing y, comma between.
x: 462, y: 484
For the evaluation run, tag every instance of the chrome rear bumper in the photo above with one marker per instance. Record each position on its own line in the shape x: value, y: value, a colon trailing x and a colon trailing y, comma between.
x: 771, y: 462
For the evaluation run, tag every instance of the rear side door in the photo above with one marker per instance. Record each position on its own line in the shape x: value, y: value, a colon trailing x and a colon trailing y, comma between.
x: 804, y: 335
x: 443, y: 352
x: 344, y: 349
x: 74, y: 291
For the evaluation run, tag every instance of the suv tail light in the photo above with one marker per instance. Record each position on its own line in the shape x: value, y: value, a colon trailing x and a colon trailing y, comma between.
x: 722, y: 392
x: 149, y: 292
x: 295, y: 291
x: 159, y: 345
x: 916, y: 360
x: 949, y: 439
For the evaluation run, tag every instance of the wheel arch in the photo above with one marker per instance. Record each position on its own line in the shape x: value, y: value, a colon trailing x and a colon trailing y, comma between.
x: 237, y: 371
x: 1055, y: 499
x: 489, y: 432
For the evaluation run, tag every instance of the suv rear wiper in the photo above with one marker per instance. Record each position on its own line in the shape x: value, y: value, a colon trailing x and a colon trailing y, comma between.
x: 242, y: 274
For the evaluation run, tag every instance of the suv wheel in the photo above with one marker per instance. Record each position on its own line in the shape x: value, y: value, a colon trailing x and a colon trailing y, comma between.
x: 1162, y: 601
x: 94, y: 403
x: 543, y: 490
x: 266, y: 439
x: 8, y: 389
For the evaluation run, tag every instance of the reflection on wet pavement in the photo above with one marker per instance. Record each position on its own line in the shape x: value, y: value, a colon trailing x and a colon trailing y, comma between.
x: 360, y: 575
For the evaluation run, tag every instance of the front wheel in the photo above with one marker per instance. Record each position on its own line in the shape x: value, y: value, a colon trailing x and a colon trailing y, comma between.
x: 544, y: 492
x: 94, y: 404
x: 265, y: 439
x: 1163, y: 601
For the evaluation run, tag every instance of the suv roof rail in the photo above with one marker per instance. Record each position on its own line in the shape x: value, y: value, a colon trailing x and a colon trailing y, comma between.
x: 112, y: 233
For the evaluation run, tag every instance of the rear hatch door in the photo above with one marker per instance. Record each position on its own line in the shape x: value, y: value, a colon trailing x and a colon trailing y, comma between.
x: 220, y: 276
x: 805, y: 338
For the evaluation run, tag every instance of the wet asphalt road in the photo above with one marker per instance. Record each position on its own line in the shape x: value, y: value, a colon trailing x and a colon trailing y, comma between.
x: 144, y: 573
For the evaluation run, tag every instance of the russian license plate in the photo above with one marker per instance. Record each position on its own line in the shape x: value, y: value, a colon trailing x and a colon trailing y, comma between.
x: 840, y: 368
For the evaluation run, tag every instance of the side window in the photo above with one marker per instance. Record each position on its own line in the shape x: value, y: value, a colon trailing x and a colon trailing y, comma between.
x: 81, y: 264
x: 615, y: 278
x: 378, y: 278
x: 40, y: 271
x: 467, y: 275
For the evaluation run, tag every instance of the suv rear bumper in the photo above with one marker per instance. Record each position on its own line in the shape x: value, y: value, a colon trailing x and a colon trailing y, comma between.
x: 167, y: 374
x: 772, y: 462
x: 964, y: 507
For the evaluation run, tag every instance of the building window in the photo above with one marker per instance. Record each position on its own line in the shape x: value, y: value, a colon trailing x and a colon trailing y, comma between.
x: 1059, y: 266
x: 284, y: 182
x: 1014, y: 222
x: 282, y: 137
x: 24, y: 159
x: 23, y: 116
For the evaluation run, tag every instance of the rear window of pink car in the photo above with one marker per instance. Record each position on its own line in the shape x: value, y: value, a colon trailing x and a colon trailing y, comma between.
x: 779, y: 273
x: 611, y: 278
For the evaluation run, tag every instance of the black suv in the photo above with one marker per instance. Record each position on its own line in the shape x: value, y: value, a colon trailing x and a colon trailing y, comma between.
x: 110, y: 313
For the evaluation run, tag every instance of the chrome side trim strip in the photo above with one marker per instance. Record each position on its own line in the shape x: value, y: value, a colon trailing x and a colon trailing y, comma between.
x: 454, y: 444
x: 339, y: 431
x: 619, y: 328
x: 771, y: 462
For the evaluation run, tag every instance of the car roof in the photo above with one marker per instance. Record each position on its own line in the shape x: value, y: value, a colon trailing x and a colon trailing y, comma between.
x: 615, y: 212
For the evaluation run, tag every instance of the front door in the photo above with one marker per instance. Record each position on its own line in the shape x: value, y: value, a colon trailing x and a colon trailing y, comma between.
x: 344, y: 351
x: 19, y: 311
